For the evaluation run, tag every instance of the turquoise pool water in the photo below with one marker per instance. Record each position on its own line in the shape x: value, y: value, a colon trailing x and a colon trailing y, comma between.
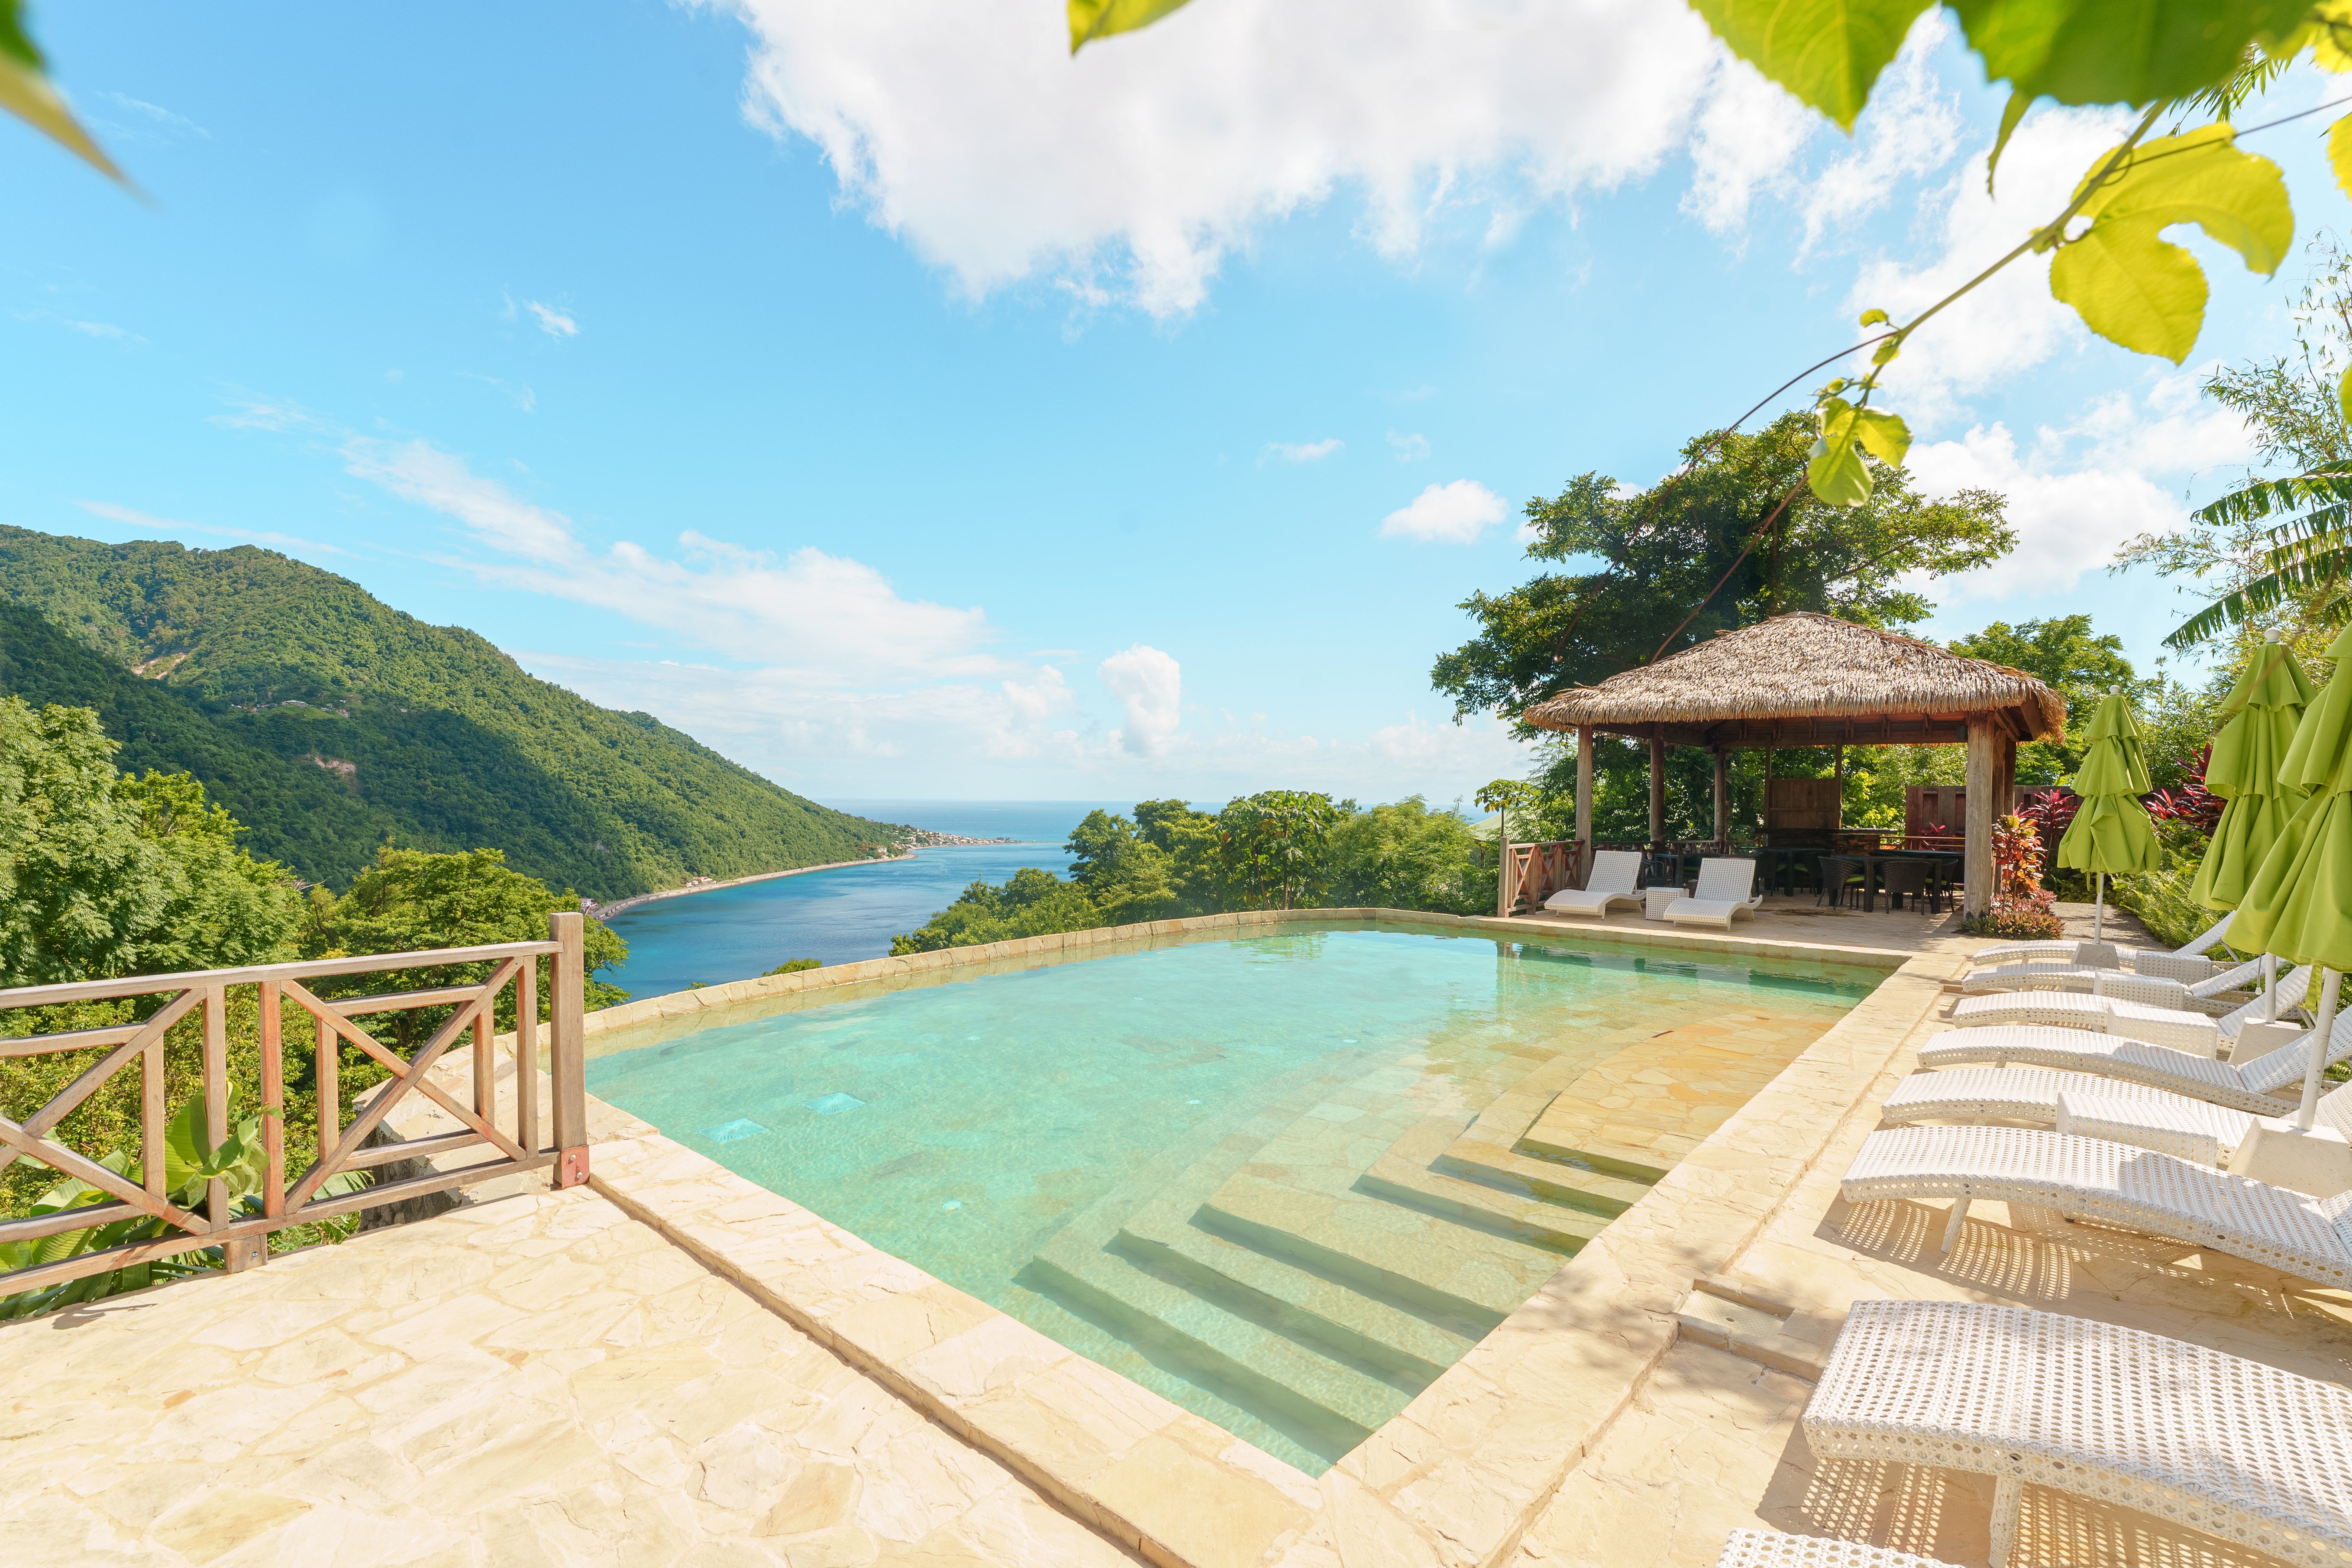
x: 1062, y: 1140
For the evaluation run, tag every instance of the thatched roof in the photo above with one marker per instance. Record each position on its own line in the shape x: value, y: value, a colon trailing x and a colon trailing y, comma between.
x: 1808, y: 680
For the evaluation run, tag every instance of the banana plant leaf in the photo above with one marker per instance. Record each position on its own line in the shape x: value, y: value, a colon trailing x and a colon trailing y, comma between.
x: 2112, y: 831
x: 2265, y: 707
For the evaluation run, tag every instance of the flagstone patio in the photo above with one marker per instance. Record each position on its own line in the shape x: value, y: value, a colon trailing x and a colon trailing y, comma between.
x: 677, y: 1367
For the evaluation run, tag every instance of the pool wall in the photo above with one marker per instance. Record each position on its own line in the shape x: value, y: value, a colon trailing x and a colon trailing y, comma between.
x: 1458, y: 1477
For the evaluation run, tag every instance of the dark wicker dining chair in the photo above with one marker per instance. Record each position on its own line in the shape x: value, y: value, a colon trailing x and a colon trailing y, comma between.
x: 1841, y: 880
x: 1905, y: 879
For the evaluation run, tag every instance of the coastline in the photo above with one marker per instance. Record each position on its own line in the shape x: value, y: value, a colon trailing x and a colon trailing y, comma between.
x: 606, y: 911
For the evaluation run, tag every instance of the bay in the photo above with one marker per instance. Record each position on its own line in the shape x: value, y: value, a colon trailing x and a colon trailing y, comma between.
x: 842, y: 915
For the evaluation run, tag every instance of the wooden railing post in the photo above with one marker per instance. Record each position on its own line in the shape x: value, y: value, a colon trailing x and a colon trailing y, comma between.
x: 567, y: 1063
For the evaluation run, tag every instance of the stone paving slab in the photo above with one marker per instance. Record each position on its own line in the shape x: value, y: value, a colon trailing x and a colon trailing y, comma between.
x: 533, y: 1380
x: 1709, y: 1443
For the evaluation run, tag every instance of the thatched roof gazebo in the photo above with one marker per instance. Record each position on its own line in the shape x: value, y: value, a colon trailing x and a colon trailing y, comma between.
x: 1805, y: 680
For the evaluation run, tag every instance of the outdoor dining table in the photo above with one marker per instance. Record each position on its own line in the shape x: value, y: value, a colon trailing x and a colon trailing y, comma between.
x: 1872, y: 862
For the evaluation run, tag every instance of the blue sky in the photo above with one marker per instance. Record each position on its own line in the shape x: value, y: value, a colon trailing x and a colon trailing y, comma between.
x: 906, y: 409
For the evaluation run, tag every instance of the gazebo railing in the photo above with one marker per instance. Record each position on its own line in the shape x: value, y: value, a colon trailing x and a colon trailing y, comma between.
x: 1531, y: 873
x: 203, y: 995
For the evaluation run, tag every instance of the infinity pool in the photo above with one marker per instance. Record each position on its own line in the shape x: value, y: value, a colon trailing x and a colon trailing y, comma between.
x: 1285, y: 1181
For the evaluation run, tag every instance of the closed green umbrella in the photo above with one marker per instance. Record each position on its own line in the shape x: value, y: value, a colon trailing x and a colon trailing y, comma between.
x: 2299, y: 905
x: 2111, y: 832
x: 2263, y: 709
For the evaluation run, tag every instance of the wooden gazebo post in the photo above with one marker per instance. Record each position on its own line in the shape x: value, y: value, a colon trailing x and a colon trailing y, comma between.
x: 1583, y: 803
x: 1991, y: 789
x: 1722, y: 800
x: 1657, y: 787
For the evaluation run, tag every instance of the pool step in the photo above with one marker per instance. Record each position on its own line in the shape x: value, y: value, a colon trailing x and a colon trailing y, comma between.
x: 1231, y: 1345
x: 1641, y: 1112
x: 1434, y: 1264
x: 1343, y: 1317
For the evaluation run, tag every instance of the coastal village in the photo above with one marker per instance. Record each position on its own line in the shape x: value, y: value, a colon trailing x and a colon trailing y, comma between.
x: 1483, y: 970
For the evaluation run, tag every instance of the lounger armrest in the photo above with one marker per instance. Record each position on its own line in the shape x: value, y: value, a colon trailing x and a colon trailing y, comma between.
x: 2189, y: 969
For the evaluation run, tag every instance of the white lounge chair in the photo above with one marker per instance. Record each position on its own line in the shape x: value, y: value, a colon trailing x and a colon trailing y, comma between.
x: 2136, y: 1113
x: 1769, y: 1549
x: 1725, y: 892
x: 2115, y: 1183
x: 2187, y: 964
x: 2218, y: 995
x: 2130, y: 1004
x: 1610, y: 883
x: 2250, y: 1086
x: 2231, y: 1448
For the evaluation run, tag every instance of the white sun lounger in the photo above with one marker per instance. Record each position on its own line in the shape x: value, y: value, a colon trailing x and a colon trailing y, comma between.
x: 1725, y: 892
x: 2231, y: 1448
x: 1610, y: 883
x: 2218, y: 995
x: 2124, y: 1005
x: 2250, y: 1086
x: 2115, y: 1183
x: 2187, y: 964
x: 2171, y: 1027
x: 1769, y: 1549
x: 2134, y: 1113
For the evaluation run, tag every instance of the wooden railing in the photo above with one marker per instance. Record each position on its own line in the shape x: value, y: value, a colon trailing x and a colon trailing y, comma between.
x: 205, y: 994
x: 1531, y: 873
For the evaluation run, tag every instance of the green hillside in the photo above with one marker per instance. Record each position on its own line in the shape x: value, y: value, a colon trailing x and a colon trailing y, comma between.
x: 326, y: 721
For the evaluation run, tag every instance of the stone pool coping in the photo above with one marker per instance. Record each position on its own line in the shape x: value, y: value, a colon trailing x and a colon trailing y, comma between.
x: 1458, y: 1476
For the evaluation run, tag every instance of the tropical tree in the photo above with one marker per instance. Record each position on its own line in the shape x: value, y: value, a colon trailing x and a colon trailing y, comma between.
x: 2064, y: 654
x: 1680, y: 562
x: 102, y: 876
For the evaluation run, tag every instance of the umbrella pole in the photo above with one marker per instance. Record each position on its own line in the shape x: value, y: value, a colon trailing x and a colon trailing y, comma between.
x: 2320, y: 1033
x: 2270, y: 988
x: 2099, y: 911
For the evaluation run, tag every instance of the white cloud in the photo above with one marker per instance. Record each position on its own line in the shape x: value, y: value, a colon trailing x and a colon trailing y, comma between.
x: 522, y: 397
x: 1749, y: 137
x: 1407, y: 448
x: 1447, y: 514
x: 2082, y: 489
x: 1149, y: 685
x: 821, y: 615
x: 1911, y: 128
x: 1303, y: 451
x: 172, y: 528
x: 2011, y: 323
x: 155, y: 116
x: 1132, y: 170
x: 555, y: 323
x: 108, y: 331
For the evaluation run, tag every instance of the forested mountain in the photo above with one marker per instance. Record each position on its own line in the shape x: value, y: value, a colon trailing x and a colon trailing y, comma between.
x: 325, y: 721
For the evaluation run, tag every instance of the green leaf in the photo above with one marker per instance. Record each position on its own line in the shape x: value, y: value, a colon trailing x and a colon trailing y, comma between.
x: 1092, y: 19
x: 25, y: 93
x: 2019, y: 102
x: 1837, y: 473
x: 2339, y: 153
x: 2118, y: 51
x: 2344, y: 396
x: 1884, y: 435
x: 2131, y: 287
x: 1827, y: 52
x: 1873, y: 318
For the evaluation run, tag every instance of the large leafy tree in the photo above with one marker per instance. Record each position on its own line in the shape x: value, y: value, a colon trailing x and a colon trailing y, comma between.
x: 2065, y: 654
x: 1663, y: 569
x: 103, y: 876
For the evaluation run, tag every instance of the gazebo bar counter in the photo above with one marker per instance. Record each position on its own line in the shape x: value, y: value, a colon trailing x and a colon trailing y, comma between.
x: 1812, y: 680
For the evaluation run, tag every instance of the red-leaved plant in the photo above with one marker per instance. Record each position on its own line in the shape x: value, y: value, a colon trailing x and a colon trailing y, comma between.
x: 2188, y: 803
x: 2021, y: 905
